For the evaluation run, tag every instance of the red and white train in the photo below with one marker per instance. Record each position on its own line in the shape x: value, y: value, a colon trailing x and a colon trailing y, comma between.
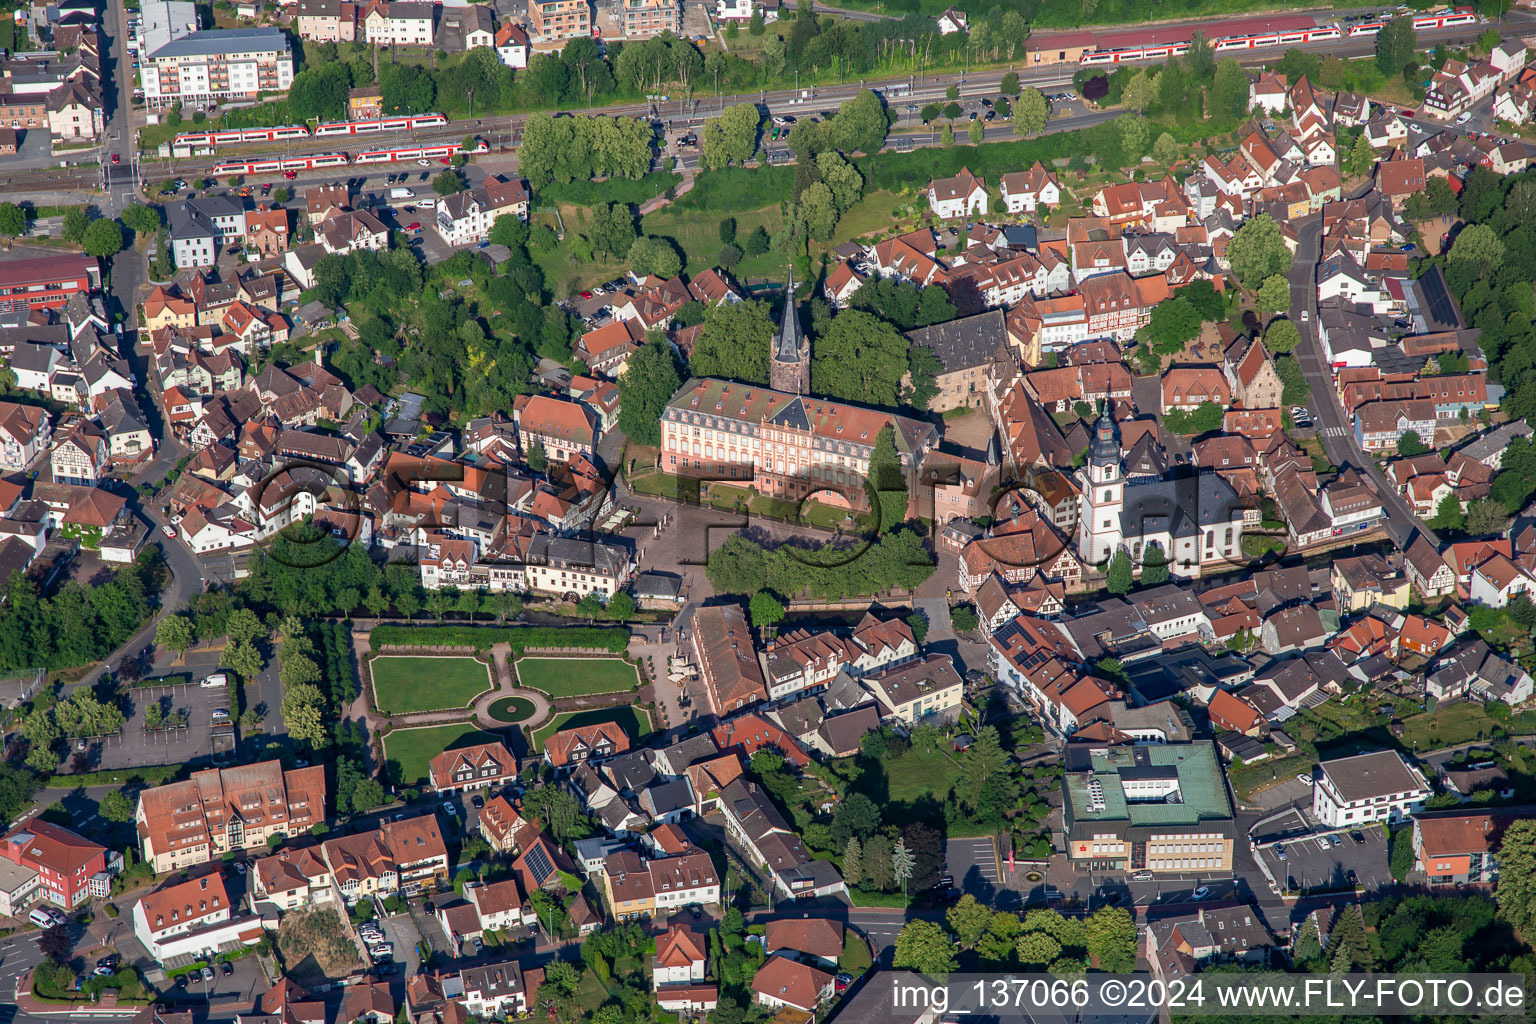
x: 285, y: 163
x: 234, y: 136
x: 230, y: 137
x: 380, y: 124
x: 1440, y: 19
x: 1262, y: 40
x: 385, y: 156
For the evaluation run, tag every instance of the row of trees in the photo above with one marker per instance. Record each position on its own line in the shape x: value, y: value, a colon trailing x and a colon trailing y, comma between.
x: 564, y: 149
x: 898, y: 559
x: 1042, y: 939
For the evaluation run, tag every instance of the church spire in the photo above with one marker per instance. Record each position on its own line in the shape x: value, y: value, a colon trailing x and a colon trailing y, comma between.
x: 789, y: 364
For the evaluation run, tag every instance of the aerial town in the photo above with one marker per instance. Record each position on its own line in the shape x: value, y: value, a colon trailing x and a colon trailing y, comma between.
x: 753, y: 499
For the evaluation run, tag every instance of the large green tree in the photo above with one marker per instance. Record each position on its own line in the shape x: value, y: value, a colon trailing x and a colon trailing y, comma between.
x: 731, y: 137
x: 1395, y: 45
x: 734, y: 342
x: 1516, y: 889
x: 887, y: 481
x: 1111, y: 939
x: 1258, y: 251
x: 649, y: 380
x: 860, y: 358
x: 103, y: 239
x: 924, y: 947
x: 1030, y: 112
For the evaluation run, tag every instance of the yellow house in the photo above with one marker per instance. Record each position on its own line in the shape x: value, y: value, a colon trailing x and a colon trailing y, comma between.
x: 918, y: 689
x: 627, y: 884
x: 168, y: 308
x: 1367, y: 580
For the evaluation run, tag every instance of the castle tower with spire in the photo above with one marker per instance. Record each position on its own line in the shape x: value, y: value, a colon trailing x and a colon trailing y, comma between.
x: 1102, y: 486
x: 789, y: 364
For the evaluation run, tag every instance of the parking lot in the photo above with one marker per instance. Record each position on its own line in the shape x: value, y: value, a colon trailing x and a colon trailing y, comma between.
x: 972, y: 863
x: 1300, y: 863
x: 138, y: 745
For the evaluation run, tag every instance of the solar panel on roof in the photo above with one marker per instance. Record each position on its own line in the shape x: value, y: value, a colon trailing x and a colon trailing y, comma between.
x: 539, y: 864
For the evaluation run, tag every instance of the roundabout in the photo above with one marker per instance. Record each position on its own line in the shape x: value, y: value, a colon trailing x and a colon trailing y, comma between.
x: 511, y: 710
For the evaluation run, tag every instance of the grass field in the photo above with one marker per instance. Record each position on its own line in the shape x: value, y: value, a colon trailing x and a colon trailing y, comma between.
x: 576, y: 677
x: 402, y: 685
x: 414, y: 749
x: 698, y: 235
x: 510, y: 709
x: 635, y: 723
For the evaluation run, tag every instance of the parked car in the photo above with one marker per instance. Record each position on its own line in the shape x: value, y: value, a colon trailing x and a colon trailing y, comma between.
x: 1280, y: 850
x: 1303, y: 778
x: 168, y: 531
x: 226, y: 968
x: 207, y: 973
x: 1357, y: 836
x: 449, y: 809
x: 1142, y: 876
x: 1200, y: 893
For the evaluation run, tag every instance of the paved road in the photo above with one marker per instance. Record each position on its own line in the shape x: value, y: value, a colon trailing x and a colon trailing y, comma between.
x: 1333, y: 423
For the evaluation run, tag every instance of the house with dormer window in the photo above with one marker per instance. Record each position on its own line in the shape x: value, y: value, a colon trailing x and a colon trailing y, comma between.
x: 477, y: 767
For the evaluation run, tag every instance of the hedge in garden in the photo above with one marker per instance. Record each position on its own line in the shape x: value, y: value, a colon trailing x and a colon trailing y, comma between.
x: 612, y: 639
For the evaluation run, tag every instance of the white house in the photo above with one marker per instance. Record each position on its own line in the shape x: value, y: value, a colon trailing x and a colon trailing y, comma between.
x: 1023, y: 191
x: 1382, y: 786
x: 499, y: 904
x: 494, y: 990
x: 192, y: 918
x: 963, y: 195
x: 1497, y: 580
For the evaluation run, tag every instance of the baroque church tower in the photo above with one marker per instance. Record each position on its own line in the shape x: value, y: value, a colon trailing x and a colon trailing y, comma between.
x: 1102, y: 483
x: 789, y: 364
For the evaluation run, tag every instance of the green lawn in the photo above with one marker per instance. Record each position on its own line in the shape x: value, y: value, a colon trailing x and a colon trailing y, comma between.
x: 634, y: 721
x: 415, y: 748
x: 919, y: 773
x: 510, y: 709
x: 576, y: 677
x: 1460, y: 723
x: 402, y: 685
x: 698, y: 236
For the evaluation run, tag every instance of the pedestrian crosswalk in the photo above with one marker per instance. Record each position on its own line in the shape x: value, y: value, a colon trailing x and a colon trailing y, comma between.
x: 1335, y: 432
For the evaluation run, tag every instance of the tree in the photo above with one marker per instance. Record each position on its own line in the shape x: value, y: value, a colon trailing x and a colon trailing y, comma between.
x: 174, y: 632
x: 1111, y: 940
x: 1516, y: 887
x: 902, y: 863
x: 1118, y: 576
x: 887, y: 480
x: 853, y: 861
x: 1360, y: 158
x: 968, y: 919
x: 1447, y: 513
x: 652, y: 255
x: 613, y: 229
x: 987, y: 787
x: 731, y: 137
x: 861, y: 124
x: 947, y: 136
x: 103, y: 239
x: 537, y: 457
x: 13, y: 222
x: 919, y: 627
x: 1409, y: 444
x: 1295, y: 387
x: 75, y: 223
x: 1173, y: 324
x: 621, y: 606
x: 1227, y: 97
x: 856, y: 816
x: 923, y: 946
x: 54, y: 943
x: 734, y: 342
x: 1258, y: 251
x: 114, y: 806
x: 1140, y: 91
x: 1478, y: 244
x: 758, y: 242
x: 1395, y: 46
x: 1274, y: 295
x: 1030, y: 112
x: 1154, y: 565
x: 303, y: 712
x: 1281, y: 336
x: 649, y: 381
x: 1485, y: 516
x: 976, y: 131
x: 1166, y: 150
x: 448, y: 183
x: 859, y: 358
x: 1037, y: 948
x: 765, y: 609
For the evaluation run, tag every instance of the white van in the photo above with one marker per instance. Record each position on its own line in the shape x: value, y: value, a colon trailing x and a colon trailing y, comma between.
x: 215, y: 681
x: 427, y: 204
x: 401, y: 193
x: 41, y: 917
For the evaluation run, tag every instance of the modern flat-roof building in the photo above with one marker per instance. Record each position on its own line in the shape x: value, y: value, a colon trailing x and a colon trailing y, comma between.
x: 1459, y: 848
x: 1155, y: 808
x: 46, y: 282
x: 236, y: 63
x: 1379, y: 786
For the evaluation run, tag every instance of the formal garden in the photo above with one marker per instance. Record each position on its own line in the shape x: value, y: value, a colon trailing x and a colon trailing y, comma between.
x: 511, y: 710
x: 402, y: 685
x: 577, y: 677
